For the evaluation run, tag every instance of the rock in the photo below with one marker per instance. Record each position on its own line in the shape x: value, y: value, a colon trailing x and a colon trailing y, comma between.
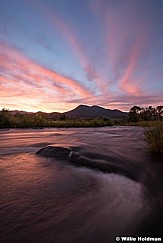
x: 57, y: 152
x: 69, y: 155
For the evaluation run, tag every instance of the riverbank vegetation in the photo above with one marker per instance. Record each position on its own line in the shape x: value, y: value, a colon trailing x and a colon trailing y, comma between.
x: 146, y: 115
x: 154, y: 137
x: 39, y: 120
x: 137, y: 116
x: 152, y: 119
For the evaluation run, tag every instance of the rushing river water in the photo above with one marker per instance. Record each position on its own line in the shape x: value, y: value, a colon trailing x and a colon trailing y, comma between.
x: 44, y: 199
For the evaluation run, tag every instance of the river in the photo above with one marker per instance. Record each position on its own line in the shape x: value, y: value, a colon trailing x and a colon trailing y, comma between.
x: 44, y: 199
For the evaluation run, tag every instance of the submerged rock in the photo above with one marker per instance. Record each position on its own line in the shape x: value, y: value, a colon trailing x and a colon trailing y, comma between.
x: 69, y: 155
x: 56, y: 152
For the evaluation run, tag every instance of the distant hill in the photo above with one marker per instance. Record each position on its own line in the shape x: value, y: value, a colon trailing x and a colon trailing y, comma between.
x: 81, y: 111
x: 14, y: 112
x: 84, y: 111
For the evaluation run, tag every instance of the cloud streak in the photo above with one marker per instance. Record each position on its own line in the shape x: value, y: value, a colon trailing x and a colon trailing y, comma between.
x: 68, y: 34
x: 126, y: 41
x: 20, y: 75
x: 114, y: 49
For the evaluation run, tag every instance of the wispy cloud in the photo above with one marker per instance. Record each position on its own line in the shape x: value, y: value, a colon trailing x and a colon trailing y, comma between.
x: 68, y: 34
x: 115, y: 47
x: 123, y: 102
x: 20, y: 75
x: 125, y: 42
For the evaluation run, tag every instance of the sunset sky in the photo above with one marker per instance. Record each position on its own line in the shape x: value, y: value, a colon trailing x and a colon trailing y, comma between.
x: 57, y: 54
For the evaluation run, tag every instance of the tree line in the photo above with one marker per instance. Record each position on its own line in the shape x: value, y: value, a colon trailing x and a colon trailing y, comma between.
x: 39, y: 120
x: 149, y: 113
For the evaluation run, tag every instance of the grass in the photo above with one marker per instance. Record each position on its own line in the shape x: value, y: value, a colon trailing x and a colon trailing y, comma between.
x: 154, y: 137
x: 9, y: 120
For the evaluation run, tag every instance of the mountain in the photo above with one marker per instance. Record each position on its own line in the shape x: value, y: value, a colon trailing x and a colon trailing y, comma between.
x: 84, y: 111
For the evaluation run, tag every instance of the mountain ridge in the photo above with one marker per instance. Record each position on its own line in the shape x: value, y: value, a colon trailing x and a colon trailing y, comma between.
x: 81, y: 111
x: 93, y: 111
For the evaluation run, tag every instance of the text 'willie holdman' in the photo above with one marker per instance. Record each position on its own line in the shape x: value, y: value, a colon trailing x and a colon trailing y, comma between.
x: 136, y: 239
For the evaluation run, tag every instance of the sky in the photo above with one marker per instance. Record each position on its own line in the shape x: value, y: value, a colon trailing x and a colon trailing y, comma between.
x: 58, y: 54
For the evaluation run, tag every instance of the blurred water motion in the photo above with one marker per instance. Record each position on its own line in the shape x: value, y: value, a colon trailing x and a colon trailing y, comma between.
x: 45, y: 200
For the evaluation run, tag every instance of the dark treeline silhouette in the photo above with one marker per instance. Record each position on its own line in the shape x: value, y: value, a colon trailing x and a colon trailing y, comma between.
x: 40, y: 120
x: 136, y: 114
x: 150, y: 113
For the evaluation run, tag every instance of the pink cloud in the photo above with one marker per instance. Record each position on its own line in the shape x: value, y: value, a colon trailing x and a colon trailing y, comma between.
x: 70, y: 36
x: 26, y: 81
x: 125, y: 42
x: 128, y: 82
x: 17, y: 64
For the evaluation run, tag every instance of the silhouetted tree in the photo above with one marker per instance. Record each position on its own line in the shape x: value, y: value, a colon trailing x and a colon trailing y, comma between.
x: 149, y: 113
x: 4, y: 118
x: 134, y: 113
x: 159, y: 110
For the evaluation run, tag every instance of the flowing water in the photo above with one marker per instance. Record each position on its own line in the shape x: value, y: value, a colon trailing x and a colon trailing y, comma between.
x: 45, y: 199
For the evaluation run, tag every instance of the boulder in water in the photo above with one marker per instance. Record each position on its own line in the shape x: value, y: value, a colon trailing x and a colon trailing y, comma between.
x: 56, y: 152
x: 69, y: 155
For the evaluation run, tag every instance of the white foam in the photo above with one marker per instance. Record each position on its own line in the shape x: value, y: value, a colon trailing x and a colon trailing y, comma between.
x: 121, y: 204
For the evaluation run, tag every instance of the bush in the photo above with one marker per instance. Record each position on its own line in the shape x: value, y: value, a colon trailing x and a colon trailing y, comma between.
x: 154, y: 137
